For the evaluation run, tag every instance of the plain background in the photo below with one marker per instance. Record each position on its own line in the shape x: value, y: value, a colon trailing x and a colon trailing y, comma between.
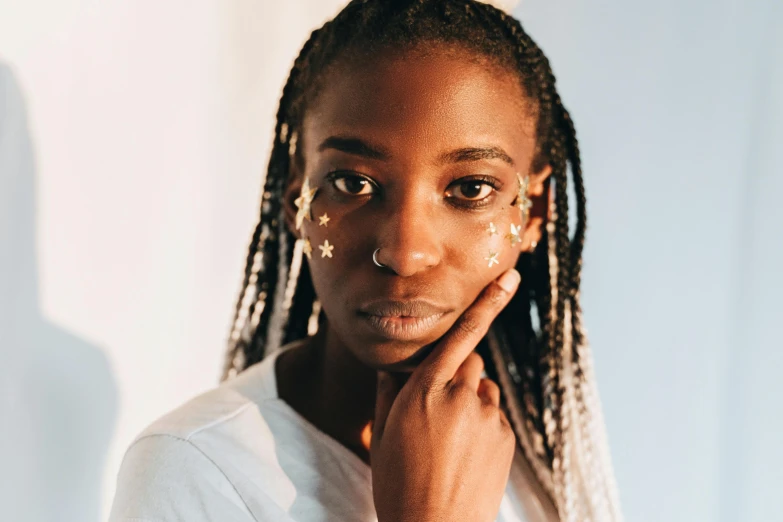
x: 133, y: 138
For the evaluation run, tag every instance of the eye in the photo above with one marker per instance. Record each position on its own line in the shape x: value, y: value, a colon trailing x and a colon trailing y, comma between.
x: 352, y: 184
x: 471, y: 190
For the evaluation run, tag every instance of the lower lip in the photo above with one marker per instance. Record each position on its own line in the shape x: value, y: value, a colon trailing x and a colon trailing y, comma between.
x: 402, y: 328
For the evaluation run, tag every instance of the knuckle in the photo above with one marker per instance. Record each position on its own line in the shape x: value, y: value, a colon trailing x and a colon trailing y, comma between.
x: 468, y: 326
x: 505, y: 426
x: 425, y: 393
x: 489, y: 411
x: 423, y: 402
x: 489, y: 385
x: 496, y: 296
x: 425, y: 381
x: 475, y: 359
x: 461, y: 392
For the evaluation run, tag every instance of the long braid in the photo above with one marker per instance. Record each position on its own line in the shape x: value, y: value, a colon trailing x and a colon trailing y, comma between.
x: 556, y: 417
x: 246, y: 347
x: 545, y: 376
x: 581, y: 401
x: 574, y: 349
x: 597, y: 457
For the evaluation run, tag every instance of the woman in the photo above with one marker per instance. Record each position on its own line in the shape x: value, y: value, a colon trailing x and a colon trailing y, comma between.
x: 391, y: 365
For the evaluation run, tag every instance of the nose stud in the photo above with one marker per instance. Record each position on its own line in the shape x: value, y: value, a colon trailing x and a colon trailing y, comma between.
x: 375, y: 258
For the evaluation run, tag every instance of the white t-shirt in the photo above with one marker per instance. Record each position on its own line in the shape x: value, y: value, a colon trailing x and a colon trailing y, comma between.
x: 239, y: 453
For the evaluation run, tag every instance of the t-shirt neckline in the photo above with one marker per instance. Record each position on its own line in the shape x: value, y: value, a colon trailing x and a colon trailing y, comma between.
x: 268, y: 377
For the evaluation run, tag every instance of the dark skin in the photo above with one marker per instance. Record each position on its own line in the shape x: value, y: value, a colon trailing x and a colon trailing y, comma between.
x: 417, y: 155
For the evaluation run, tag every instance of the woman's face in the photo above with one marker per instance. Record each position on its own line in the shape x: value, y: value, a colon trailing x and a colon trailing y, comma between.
x: 417, y: 155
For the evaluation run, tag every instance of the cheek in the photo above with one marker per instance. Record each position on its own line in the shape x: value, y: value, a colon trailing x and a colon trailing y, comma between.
x: 335, y: 247
x: 481, y: 249
x: 336, y: 239
x: 491, y: 245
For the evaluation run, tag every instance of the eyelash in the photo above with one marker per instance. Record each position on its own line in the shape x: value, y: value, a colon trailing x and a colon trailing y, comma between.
x: 335, y: 176
x: 478, y: 203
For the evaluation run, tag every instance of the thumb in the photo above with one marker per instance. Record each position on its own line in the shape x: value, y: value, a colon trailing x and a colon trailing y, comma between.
x: 385, y: 394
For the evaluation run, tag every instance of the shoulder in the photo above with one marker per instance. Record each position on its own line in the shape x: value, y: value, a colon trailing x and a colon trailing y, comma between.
x: 164, y: 477
x: 212, y: 410
x: 195, y: 463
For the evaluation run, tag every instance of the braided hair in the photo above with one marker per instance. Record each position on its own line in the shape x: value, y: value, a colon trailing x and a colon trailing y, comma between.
x: 544, y: 366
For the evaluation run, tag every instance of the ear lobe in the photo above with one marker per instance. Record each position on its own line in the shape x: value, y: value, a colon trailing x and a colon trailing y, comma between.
x: 537, y: 181
x: 540, y: 193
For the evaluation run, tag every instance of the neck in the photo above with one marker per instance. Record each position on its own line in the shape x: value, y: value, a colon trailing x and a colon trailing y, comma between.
x: 324, y: 382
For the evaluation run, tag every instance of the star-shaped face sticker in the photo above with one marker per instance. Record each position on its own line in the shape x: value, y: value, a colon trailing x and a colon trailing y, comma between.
x: 323, y: 220
x: 302, y: 203
x: 513, y: 236
x: 307, y: 249
x: 326, y: 249
x: 522, y: 200
x: 492, y: 229
x: 492, y: 258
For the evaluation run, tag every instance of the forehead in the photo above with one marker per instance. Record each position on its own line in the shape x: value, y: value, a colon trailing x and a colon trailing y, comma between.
x: 419, y: 101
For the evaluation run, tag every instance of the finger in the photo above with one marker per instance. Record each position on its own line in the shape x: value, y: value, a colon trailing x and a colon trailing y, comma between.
x: 452, y: 350
x: 470, y: 371
x: 489, y: 392
x: 504, y: 420
x: 386, y: 391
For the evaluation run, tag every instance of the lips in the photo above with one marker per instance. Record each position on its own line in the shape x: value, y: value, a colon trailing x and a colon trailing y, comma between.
x: 402, y: 320
x: 394, y: 308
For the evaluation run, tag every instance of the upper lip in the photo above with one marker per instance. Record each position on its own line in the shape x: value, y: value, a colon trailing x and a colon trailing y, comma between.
x: 402, y: 308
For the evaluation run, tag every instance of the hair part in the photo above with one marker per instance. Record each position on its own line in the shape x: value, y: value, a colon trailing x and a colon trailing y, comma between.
x: 545, y: 371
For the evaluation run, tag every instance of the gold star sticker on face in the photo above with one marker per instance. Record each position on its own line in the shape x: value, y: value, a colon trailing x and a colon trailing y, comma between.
x: 323, y: 220
x: 522, y: 200
x: 492, y: 258
x: 513, y: 236
x: 302, y: 203
x: 326, y: 249
x: 308, y: 249
x: 492, y: 229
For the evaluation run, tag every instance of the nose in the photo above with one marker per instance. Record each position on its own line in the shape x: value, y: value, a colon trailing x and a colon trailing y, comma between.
x: 408, y: 237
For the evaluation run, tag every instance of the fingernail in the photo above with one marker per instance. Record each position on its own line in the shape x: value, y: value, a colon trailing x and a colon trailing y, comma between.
x: 509, y: 280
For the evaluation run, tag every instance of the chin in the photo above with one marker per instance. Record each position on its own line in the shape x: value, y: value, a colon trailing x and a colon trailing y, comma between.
x: 396, y: 343
x: 393, y: 356
x: 391, y: 344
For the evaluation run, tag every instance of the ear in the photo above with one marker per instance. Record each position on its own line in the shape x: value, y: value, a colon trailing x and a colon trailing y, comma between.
x: 539, y: 192
x: 292, y: 191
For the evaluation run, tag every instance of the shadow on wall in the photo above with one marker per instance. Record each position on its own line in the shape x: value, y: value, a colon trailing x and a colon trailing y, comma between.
x: 58, y: 398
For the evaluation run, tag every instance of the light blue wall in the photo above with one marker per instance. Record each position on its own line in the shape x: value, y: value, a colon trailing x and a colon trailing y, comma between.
x: 679, y: 111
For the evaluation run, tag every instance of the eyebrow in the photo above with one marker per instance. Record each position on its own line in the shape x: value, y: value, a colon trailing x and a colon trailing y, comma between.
x: 476, y: 154
x: 354, y: 146
x: 358, y: 147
